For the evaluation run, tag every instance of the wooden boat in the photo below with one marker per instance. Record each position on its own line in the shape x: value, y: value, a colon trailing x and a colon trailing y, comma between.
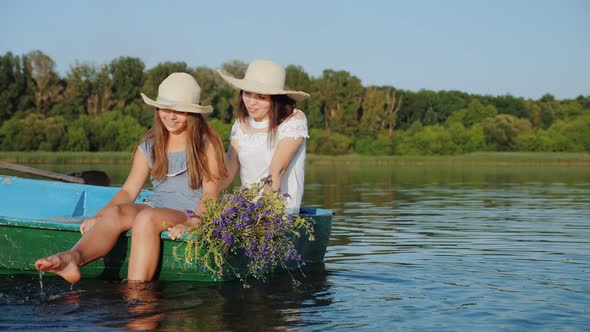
x: 39, y: 218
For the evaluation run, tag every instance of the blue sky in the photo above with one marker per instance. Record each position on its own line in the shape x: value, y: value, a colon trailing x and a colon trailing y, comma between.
x: 523, y: 48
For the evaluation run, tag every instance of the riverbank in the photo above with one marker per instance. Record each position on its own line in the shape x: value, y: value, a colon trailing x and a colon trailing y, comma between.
x: 472, y: 159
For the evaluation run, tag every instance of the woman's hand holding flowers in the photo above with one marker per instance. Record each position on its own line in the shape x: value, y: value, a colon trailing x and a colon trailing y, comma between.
x: 177, y: 231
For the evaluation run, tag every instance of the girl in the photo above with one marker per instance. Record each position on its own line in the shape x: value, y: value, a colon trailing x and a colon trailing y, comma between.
x: 268, y: 138
x: 185, y: 159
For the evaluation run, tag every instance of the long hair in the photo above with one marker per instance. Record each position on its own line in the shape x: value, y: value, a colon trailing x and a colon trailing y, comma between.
x: 199, y: 135
x: 281, y: 108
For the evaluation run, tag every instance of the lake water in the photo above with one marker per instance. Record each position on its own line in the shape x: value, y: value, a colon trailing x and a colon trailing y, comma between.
x: 412, y: 249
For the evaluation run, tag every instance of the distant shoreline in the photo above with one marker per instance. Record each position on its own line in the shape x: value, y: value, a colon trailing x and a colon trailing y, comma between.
x: 472, y: 159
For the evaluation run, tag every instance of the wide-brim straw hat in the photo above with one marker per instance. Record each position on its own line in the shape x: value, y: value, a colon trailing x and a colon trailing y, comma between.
x: 179, y: 92
x: 264, y: 77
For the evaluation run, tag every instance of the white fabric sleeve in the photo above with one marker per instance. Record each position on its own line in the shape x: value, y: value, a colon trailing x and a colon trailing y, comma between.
x: 234, y: 130
x: 294, y: 128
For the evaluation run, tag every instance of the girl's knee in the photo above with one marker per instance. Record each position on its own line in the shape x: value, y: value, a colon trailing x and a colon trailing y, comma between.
x: 118, y: 216
x: 147, y: 221
x: 113, y: 212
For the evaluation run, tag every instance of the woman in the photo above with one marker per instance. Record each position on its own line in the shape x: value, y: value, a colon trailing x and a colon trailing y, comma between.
x: 185, y: 159
x: 268, y: 138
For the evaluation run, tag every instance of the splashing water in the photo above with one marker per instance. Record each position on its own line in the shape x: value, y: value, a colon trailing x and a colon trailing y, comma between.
x: 41, y: 282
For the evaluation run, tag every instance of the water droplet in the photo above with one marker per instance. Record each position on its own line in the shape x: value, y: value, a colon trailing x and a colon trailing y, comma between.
x: 41, y: 281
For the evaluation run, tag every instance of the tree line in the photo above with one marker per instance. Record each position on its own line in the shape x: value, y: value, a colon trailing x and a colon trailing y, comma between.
x: 98, y: 108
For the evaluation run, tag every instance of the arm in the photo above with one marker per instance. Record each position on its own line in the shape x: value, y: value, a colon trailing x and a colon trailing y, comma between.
x: 292, y: 134
x: 233, y: 166
x: 128, y: 192
x: 211, y: 189
x: 284, y: 154
x: 134, y: 183
x: 211, y: 186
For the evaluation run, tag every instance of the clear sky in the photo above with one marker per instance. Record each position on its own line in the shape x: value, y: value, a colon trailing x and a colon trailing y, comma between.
x: 525, y: 48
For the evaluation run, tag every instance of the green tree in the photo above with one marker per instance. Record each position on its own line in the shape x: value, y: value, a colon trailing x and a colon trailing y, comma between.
x: 54, y: 131
x: 13, y: 94
x: 568, y: 109
x: 33, y: 131
x: 297, y: 79
x: 501, y: 131
x: 508, y: 104
x: 535, y: 113
x: 126, y: 74
x: 476, y: 112
x: 425, y: 107
x: 575, y: 131
x: 8, y: 134
x: 217, y: 93
x: 43, y: 83
x: 235, y: 68
x: 209, y: 83
x: 379, y: 109
x: 340, y: 96
x: 450, y: 102
x: 102, y: 99
x: 79, y: 90
x: 322, y: 142
x: 76, y: 136
x: 431, y: 140
x: 369, y: 145
x: 114, y: 131
x: 224, y: 130
x: 546, y: 98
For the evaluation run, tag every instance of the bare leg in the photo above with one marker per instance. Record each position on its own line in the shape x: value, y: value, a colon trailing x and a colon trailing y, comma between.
x: 145, y: 240
x: 96, y: 243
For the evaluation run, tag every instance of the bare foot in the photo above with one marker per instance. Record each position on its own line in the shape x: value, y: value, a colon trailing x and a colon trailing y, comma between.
x: 65, y: 264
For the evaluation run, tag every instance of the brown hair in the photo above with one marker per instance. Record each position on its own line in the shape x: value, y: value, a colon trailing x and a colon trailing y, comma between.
x: 199, y: 135
x: 280, y: 109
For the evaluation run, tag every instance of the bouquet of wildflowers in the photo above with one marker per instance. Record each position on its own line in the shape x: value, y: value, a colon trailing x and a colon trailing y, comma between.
x: 249, y: 222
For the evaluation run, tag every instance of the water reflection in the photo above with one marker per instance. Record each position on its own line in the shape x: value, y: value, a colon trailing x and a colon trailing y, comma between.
x: 275, y: 303
x: 412, y: 248
x: 381, y: 185
x: 166, y: 305
x: 143, y: 300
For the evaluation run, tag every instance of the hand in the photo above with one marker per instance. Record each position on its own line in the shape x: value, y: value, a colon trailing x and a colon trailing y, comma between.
x: 177, y: 231
x: 195, y: 220
x: 87, y: 224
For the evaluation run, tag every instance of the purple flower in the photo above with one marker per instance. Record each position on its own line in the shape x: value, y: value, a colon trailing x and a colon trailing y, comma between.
x: 261, y: 230
x: 189, y: 213
x: 228, y: 239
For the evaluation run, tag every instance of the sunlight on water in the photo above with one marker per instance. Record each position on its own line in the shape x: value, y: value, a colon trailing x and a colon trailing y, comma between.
x: 438, y: 253
x: 428, y: 249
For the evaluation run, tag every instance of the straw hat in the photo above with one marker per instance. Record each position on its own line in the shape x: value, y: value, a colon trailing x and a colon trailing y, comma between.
x: 179, y: 92
x: 264, y: 77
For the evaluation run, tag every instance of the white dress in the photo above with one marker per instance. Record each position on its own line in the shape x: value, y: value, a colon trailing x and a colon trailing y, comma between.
x: 255, y: 154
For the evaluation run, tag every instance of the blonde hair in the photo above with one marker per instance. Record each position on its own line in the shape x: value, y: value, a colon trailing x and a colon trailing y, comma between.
x: 199, y: 135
